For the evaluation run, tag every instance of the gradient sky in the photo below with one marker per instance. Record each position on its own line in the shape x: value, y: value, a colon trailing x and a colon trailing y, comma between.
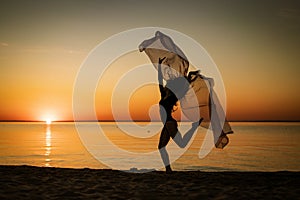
x: 255, y: 44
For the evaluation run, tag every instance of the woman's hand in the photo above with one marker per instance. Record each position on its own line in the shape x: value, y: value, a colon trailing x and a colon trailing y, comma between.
x: 160, y: 60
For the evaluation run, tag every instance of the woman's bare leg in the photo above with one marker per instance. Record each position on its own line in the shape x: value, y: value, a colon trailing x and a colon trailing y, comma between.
x: 165, y: 158
x: 163, y: 141
x: 183, y: 141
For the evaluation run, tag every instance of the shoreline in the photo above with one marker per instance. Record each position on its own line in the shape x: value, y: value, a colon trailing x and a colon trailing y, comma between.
x: 29, y: 182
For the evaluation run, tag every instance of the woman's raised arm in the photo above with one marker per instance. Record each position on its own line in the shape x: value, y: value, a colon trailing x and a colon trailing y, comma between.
x: 160, y: 76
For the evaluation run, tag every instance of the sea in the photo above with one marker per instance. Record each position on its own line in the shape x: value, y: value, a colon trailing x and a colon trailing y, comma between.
x: 254, y: 146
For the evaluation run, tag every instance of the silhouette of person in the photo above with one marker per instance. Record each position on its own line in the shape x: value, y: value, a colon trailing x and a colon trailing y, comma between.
x: 167, y: 103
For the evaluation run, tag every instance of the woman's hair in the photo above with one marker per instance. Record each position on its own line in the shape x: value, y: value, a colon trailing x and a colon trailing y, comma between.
x: 175, y: 89
x: 168, y: 101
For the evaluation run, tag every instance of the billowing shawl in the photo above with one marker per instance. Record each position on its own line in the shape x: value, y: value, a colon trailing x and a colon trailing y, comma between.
x: 200, y: 100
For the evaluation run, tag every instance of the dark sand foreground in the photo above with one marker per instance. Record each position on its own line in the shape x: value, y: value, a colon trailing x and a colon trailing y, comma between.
x: 26, y: 182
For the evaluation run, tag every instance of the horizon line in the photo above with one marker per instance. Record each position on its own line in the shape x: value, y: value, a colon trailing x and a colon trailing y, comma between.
x: 141, y: 121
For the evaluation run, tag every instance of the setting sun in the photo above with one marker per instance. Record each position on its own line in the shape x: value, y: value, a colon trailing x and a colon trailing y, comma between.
x: 48, y: 118
x: 48, y: 121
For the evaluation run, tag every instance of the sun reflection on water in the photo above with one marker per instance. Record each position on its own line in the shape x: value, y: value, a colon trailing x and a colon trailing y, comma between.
x: 48, y: 145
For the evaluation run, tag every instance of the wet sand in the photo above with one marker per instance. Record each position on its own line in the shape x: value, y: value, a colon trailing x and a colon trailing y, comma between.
x: 27, y: 182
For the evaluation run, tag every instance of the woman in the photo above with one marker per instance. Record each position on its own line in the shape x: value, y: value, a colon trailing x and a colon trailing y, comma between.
x: 167, y: 103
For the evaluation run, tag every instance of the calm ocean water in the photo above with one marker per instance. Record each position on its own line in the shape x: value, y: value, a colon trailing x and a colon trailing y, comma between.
x: 253, y: 147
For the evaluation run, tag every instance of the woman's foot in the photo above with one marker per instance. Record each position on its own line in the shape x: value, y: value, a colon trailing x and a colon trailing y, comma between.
x: 222, y: 141
x: 168, y: 169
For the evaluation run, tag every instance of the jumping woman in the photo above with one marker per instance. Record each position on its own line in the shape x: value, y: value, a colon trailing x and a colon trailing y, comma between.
x: 167, y: 104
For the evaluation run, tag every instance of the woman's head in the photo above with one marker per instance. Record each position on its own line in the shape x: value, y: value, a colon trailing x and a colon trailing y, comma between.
x: 179, y: 86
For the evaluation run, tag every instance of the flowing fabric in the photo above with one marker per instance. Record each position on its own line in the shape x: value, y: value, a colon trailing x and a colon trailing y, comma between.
x: 199, y: 99
x: 175, y: 64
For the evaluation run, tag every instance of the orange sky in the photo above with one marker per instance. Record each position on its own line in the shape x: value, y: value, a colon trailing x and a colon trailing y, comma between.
x: 42, y: 45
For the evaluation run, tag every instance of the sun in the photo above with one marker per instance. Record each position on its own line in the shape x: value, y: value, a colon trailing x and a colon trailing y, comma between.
x: 48, y: 121
x: 48, y: 118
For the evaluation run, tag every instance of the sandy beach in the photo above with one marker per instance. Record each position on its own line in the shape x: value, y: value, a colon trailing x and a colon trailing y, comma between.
x: 27, y: 182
